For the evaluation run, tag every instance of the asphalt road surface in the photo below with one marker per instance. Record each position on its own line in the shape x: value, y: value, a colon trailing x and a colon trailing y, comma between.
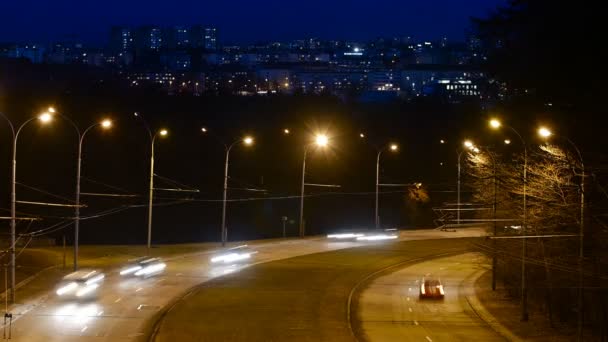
x: 389, y: 308
x: 298, y: 299
x: 126, y: 309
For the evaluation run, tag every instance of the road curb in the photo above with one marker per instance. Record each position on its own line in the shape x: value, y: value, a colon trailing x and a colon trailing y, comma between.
x: 484, y: 314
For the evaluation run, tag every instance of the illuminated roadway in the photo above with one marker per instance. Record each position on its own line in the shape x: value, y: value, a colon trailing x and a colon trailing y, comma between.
x: 389, y: 308
x: 126, y: 309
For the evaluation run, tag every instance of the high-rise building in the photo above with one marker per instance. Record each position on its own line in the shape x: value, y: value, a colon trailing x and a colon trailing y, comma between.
x: 149, y: 38
x: 204, y: 37
x: 182, y: 37
x: 210, y: 38
x: 121, y: 39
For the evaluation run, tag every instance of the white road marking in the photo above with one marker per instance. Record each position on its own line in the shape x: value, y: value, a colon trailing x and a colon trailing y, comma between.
x: 118, y: 300
x: 410, y: 309
x: 415, y: 322
x: 139, y: 289
x: 429, y: 339
x: 83, y: 329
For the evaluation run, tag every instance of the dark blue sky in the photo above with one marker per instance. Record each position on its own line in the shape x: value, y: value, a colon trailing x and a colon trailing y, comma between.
x: 242, y: 21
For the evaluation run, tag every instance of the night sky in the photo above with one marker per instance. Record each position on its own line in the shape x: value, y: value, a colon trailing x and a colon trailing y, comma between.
x: 241, y: 21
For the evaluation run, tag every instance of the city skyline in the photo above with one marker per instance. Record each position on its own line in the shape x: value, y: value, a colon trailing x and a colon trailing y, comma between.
x: 251, y: 23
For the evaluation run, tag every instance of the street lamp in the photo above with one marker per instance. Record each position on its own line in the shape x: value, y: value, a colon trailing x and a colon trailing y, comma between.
x: 496, y: 124
x: 44, y: 118
x: 321, y: 140
x: 545, y: 133
x: 247, y: 141
x: 286, y: 131
x: 392, y: 148
x: 468, y: 144
x: 105, y: 124
x: 163, y: 133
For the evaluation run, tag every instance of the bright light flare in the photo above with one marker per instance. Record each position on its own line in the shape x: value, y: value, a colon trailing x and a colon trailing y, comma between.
x: 507, y: 141
x: 96, y: 279
x: 286, y: 131
x: 394, y: 147
x: 321, y: 140
x: 248, y: 140
x: 204, y: 129
x: 361, y: 135
x: 130, y: 270
x: 377, y: 237
x: 495, y: 123
x: 67, y: 288
x: 468, y: 144
x: 152, y: 269
x: 345, y: 236
x: 231, y: 257
x: 45, y: 117
x: 107, y: 123
x: 51, y: 110
x: 163, y: 132
x: 544, y: 132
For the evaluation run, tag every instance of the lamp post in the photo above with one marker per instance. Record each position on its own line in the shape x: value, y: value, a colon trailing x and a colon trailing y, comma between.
x: 496, y: 124
x: 546, y: 133
x: 105, y: 124
x: 393, y: 148
x: 468, y: 145
x: 247, y: 141
x: 162, y: 133
x: 43, y: 118
x: 321, y: 140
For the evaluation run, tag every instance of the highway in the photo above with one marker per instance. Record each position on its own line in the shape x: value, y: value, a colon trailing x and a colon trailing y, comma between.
x: 126, y: 309
x: 389, y: 308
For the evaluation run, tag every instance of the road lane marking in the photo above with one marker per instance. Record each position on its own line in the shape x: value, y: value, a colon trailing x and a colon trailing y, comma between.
x: 429, y: 339
x: 139, y: 289
x: 83, y: 329
x: 410, y: 309
x: 118, y: 300
x: 415, y: 322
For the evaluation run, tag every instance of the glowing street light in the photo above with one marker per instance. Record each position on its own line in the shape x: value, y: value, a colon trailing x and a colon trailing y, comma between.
x: 105, y: 124
x: 442, y: 141
x: 468, y: 144
x: 247, y: 141
x: 507, y: 141
x: 495, y: 123
x: 544, y: 132
x: 286, y: 131
x: 204, y: 129
x: 163, y: 133
x: 43, y: 118
x: 361, y: 135
x: 393, y: 148
x: 321, y: 140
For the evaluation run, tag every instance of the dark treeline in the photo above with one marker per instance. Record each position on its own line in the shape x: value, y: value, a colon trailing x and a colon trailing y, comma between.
x: 547, y: 55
